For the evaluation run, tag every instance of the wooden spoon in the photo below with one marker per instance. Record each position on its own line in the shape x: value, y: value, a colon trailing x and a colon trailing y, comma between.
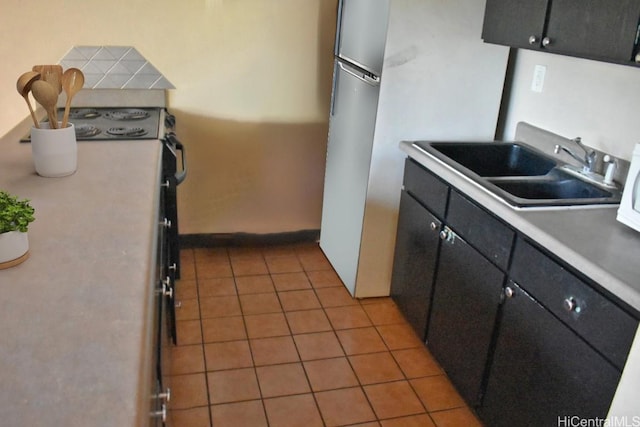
x: 24, y: 87
x: 51, y: 74
x: 72, y: 82
x: 47, y: 96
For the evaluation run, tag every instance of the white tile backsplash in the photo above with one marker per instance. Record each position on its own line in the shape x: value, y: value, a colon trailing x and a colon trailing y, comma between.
x: 114, y: 67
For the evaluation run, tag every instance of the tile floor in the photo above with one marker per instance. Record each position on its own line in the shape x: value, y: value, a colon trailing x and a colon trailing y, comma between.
x: 268, y: 336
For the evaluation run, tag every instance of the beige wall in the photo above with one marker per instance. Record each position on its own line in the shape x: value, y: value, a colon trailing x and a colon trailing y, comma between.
x: 597, y: 101
x: 253, y: 81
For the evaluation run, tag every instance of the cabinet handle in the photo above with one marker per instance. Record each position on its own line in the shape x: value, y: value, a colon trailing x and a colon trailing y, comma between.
x: 166, y: 396
x: 546, y: 41
x: 173, y: 267
x: 509, y: 292
x: 533, y: 40
x: 447, y: 235
x: 434, y: 226
x: 165, y: 184
x: 162, y: 413
x: 570, y: 304
x: 166, y: 223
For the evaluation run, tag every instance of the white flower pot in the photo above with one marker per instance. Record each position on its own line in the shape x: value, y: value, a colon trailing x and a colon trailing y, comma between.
x: 54, y: 151
x: 14, y: 248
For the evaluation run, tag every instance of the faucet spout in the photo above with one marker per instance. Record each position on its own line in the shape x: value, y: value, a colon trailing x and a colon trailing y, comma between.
x: 589, y: 159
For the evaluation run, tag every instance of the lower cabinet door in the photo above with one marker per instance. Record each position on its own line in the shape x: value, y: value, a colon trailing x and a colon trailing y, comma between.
x: 466, y: 298
x: 542, y: 373
x: 414, y: 262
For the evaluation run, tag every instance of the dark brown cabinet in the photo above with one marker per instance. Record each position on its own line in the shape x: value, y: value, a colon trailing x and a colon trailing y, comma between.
x: 542, y: 372
x: 524, y: 338
x: 595, y: 29
x: 465, y: 304
x: 414, y: 265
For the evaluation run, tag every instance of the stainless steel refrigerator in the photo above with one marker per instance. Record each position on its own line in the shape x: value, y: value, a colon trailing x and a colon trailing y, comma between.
x: 404, y: 69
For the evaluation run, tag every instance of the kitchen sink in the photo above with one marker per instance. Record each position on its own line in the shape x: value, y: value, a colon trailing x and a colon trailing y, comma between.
x: 520, y: 174
x: 492, y: 159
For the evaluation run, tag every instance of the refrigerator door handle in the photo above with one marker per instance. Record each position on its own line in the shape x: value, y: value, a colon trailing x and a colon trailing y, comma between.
x: 369, y: 79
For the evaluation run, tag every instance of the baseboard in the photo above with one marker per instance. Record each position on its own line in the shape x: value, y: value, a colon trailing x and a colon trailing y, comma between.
x: 247, y: 239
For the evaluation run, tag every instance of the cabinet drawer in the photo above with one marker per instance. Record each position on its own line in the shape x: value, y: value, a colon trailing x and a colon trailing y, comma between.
x: 482, y: 230
x: 426, y: 187
x: 590, y: 314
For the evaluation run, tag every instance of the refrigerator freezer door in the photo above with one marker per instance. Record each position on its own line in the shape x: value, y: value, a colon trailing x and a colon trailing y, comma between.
x: 362, y: 31
x: 351, y: 128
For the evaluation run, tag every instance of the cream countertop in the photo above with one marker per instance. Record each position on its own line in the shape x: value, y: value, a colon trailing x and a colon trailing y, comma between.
x: 590, y: 240
x: 75, y: 315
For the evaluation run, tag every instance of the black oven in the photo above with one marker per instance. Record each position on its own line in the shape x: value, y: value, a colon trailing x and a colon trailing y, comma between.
x: 174, y: 172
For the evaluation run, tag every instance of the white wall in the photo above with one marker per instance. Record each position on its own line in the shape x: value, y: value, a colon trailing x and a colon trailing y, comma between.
x: 597, y: 101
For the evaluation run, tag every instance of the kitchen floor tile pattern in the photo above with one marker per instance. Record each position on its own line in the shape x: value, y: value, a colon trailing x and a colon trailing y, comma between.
x: 268, y: 336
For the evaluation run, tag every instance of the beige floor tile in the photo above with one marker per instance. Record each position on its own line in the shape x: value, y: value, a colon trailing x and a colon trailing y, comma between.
x: 324, y: 279
x: 318, y: 345
x: 329, y: 374
x: 361, y: 340
x: 400, y: 336
x: 395, y: 399
x: 219, y: 286
x: 189, y: 309
x: 384, y: 313
x: 259, y: 284
x: 219, y: 306
x: 293, y: 411
x: 417, y: 362
x: 189, y: 332
x: 188, y: 391
x: 187, y: 359
x: 204, y: 255
x: 291, y: 281
x: 266, y: 325
x: 282, y: 380
x: 455, y: 417
x: 422, y: 420
x: 283, y: 264
x: 248, y: 266
x: 299, y: 300
x: 313, y: 261
x: 375, y: 368
x: 345, y: 406
x: 348, y: 317
x: 260, y: 303
x: 335, y: 297
x: 306, y: 321
x: 239, y: 414
x: 209, y: 270
x: 437, y: 393
x: 271, y: 351
x: 186, y: 289
x: 227, y: 355
x: 233, y: 385
x: 217, y: 329
x: 194, y: 417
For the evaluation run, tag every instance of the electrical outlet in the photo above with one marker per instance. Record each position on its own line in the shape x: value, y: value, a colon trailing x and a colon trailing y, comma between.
x: 538, y: 78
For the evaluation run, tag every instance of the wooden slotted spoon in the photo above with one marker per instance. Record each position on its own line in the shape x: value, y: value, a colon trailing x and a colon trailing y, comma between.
x: 72, y: 82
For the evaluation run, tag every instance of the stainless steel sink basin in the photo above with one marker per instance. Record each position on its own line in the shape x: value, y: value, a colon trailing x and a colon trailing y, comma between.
x: 492, y: 159
x: 519, y: 174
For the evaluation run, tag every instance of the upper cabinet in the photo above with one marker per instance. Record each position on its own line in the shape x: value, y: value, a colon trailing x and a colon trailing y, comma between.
x: 594, y: 29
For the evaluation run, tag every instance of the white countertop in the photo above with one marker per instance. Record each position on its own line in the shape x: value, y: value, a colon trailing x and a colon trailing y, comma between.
x: 76, y: 314
x: 588, y: 239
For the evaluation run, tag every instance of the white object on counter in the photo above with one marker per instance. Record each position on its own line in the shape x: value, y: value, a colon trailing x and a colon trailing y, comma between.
x: 629, y: 210
x: 54, y: 151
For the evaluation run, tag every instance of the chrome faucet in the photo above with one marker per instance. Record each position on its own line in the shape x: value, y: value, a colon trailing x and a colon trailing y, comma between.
x: 589, y: 160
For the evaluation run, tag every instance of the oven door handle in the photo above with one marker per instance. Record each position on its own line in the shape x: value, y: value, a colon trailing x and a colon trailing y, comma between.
x: 180, y: 176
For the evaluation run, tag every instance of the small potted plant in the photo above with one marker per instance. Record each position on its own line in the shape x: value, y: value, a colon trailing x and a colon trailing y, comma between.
x: 15, y: 217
